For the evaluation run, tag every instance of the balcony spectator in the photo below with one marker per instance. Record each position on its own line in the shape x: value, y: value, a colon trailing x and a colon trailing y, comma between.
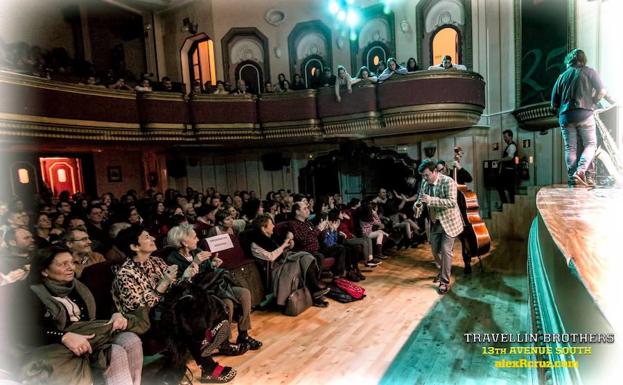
x: 120, y: 85
x: 393, y: 68
x: 92, y: 82
x: 168, y: 86
x: 412, y: 65
x: 196, y: 90
x: 446, y: 64
x: 280, y: 79
x: 365, y: 76
x: 268, y: 88
x: 298, y: 83
x: 327, y: 79
x: 241, y: 88
x: 380, y: 67
x: 145, y: 86
x: 342, y: 82
x: 220, y: 88
x: 284, y: 86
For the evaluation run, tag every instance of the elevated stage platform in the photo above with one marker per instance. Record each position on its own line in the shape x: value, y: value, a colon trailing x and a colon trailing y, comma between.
x: 574, y: 272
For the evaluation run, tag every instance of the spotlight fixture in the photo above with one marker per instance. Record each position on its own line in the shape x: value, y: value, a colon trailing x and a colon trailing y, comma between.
x: 347, y: 15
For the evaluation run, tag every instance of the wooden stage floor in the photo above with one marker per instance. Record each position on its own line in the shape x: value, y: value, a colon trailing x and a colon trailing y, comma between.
x: 586, y: 226
x: 364, y: 342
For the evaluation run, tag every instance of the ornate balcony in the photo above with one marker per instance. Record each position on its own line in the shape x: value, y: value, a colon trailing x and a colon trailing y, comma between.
x: 420, y: 102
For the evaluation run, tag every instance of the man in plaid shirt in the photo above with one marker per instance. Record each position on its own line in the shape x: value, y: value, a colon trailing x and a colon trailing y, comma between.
x: 438, y: 192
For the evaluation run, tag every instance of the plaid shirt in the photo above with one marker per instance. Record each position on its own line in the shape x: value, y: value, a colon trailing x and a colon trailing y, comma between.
x: 443, y: 205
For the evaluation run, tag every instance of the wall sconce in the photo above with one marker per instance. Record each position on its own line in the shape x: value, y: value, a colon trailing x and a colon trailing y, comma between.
x: 277, y: 52
x: 430, y: 151
x: 189, y: 26
x: 404, y: 26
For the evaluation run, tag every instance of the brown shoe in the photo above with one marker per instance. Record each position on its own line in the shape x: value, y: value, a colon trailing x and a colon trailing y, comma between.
x: 580, y: 179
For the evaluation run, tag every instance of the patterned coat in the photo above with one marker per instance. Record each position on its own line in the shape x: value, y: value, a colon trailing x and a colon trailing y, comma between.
x: 443, y: 204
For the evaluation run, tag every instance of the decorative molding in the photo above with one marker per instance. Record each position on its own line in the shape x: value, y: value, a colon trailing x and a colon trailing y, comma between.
x: 422, y: 10
x: 298, y: 33
x: 536, y: 117
x: 249, y: 32
x: 275, y: 17
x: 370, y: 13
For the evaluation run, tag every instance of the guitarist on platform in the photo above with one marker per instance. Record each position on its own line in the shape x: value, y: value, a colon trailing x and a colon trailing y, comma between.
x: 439, y: 193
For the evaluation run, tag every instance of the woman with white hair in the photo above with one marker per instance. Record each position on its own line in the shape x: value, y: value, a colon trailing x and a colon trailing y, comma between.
x: 184, y: 239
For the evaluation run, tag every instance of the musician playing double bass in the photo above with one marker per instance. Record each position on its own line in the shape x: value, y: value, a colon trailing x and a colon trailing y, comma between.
x: 439, y: 193
x: 461, y: 176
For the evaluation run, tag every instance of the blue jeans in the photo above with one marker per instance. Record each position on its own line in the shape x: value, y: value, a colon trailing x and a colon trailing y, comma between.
x: 587, y: 131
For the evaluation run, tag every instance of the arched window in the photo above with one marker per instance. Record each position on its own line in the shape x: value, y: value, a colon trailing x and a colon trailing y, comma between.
x: 312, y: 70
x: 446, y: 41
x: 374, y: 54
x: 197, y: 57
x: 252, y: 75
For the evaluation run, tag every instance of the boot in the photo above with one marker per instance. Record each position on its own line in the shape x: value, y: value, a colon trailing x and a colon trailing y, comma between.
x: 378, y: 252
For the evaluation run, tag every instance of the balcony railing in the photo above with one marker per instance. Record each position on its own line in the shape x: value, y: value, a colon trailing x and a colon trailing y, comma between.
x: 419, y: 102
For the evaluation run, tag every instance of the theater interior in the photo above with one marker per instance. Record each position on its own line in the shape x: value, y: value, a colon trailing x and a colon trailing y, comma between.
x: 126, y: 99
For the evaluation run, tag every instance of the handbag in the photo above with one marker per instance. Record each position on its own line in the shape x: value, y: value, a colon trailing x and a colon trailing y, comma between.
x: 298, y: 301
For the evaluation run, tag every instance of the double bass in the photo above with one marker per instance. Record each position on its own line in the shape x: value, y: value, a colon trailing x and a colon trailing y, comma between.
x: 476, y: 235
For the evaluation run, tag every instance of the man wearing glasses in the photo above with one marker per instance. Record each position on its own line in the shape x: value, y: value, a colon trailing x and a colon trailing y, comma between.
x: 79, y: 244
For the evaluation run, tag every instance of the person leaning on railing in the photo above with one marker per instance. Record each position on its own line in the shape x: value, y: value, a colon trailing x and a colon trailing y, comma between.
x: 392, y: 68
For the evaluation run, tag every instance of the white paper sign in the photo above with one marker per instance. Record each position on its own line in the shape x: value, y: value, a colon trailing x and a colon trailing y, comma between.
x: 219, y: 243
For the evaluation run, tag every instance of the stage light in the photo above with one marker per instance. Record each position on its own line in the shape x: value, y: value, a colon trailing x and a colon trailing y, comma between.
x: 333, y: 7
x: 341, y: 15
x: 353, y: 35
x: 350, y: 2
x: 352, y: 18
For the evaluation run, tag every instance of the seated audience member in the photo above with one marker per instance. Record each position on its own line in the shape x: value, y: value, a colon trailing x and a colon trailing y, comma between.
x: 365, y: 76
x: 346, y: 229
x: 187, y: 255
x: 343, y: 82
x: 43, y: 227
x: 282, y: 265
x: 392, y: 68
x: 268, y: 88
x: 97, y: 229
x: 115, y: 255
x: 206, y: 216
x: 62, y: 336
x: 242, y: 268
x: 15, y: 256
x: 220, y: 88
x: 145, y: 86
x: 372, y: 227
x: 79, y: 245
x: 446, y: 64
x: 412, y: 65
x: 306, y: 237
x: 146, y: 281
x: 120, y: 85
x: 241, y: 88
x: 331, y: 239
x: 298, y: 83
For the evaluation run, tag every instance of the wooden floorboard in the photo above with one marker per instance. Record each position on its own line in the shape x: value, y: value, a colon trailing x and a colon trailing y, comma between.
x: 364, y: 342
